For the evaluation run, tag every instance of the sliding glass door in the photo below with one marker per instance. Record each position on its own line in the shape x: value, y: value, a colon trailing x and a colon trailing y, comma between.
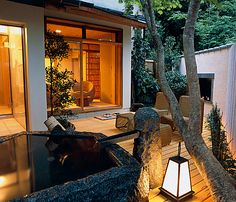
x: 74, y: 63
x: 12, y: 99
x: 17, y: 74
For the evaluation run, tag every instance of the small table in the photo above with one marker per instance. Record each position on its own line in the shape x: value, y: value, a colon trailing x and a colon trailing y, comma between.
x: 125, y: 121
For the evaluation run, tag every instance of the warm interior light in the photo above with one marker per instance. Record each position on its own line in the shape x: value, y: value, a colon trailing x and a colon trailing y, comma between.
x: 2, y: 181
x: 177, y: 182
x: 3, y: 29
x: 15, y: 30
x: 58, y: 31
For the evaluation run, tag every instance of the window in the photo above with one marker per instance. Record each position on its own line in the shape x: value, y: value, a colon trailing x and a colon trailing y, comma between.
x: 95, y: 60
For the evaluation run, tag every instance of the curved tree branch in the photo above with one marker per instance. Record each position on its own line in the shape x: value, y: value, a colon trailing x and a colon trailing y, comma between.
x: 148, y: 11
x: 191, y: 65
x: 221, y: 185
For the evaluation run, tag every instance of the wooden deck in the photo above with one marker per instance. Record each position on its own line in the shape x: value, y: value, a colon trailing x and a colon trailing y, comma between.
x: 108, y: 128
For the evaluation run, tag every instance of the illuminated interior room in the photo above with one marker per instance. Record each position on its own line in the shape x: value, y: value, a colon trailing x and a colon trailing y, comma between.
x: 12, y: 99
x: 95, y: 60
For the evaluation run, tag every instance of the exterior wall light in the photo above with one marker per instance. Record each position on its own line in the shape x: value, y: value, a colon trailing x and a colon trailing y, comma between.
x: 177, y: 181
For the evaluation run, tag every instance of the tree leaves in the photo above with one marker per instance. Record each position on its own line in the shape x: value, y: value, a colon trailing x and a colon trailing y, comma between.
x: 159, y: 5
x: 59, y: 83
x: 55, y: 46
x: 62, y: 83
x: 216, y: 25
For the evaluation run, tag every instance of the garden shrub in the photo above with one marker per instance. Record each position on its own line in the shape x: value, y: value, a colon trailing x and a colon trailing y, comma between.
x: 59, y: 83
x: 220, y: 147
x: 62, y: 83
x: 145, y: 86
x: 177, y: 82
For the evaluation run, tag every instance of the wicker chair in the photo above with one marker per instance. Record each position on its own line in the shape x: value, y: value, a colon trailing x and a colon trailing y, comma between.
x: 162, y: 104
x: 88, y: 92
x: 185, y: 108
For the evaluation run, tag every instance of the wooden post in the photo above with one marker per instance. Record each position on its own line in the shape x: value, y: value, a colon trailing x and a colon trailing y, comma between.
x: 147, y: 147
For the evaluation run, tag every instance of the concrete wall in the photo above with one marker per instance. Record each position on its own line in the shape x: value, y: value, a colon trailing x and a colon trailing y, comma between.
x: 33, y: 20
x: 214, y: 61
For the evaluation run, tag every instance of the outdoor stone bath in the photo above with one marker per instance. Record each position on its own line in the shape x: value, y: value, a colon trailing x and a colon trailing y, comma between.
x: 118, y: 175
x: 109, y: 174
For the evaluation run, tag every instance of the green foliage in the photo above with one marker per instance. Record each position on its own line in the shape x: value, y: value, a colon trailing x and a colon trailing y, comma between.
x: 140, y: 50
x: 62, y: 83
x: 160, y: 6
x: 220, y: 147
x: 56, y: 48
x: 172, y: 55
x: 144, y: 84
x: 177, y: 82
x: 59, y: 82
x: 216, y: 25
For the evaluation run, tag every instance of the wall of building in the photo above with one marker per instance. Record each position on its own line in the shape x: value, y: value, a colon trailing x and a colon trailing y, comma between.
x: 213, y: 61
x: 33, y: 20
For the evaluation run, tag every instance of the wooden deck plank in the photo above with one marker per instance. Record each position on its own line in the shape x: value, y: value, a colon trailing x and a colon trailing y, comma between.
x: 108, y: 128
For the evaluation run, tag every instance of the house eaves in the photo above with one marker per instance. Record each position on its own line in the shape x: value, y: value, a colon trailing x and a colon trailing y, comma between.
x: 90, y: 10
x: 39, y: 3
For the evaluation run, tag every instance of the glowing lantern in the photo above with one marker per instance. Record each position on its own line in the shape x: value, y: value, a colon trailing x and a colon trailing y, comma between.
x: 177, y: 181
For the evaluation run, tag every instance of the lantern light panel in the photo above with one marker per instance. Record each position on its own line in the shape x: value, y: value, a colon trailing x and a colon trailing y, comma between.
x: 177, y: 181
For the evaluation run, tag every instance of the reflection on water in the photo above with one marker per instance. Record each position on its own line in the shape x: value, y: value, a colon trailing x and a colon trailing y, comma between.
x: 29, y: 167
x: 14, y: 169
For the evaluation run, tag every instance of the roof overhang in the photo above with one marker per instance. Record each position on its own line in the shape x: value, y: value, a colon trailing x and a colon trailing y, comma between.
x: 91, y: 11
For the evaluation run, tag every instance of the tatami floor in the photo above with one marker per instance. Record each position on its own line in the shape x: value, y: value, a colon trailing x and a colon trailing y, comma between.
x: 93, y: 107
x: 107, y: 127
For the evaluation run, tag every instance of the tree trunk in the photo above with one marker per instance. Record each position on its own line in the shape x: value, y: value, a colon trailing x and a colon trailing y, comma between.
x: 221, y: 185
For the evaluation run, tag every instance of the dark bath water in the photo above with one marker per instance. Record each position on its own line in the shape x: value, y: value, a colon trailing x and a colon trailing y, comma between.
x: 27, y: 165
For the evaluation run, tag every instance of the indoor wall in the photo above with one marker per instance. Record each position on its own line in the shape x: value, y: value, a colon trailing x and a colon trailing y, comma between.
x: 107, y: 58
